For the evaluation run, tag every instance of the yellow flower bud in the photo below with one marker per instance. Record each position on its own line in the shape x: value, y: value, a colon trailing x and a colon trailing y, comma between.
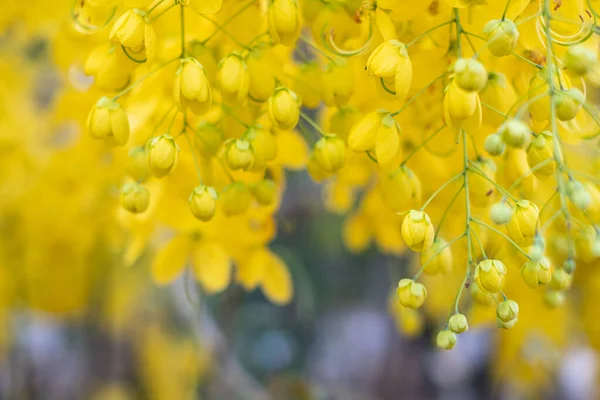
x: 137, y: 166
x: 411, y: 294
x: 337, y: 83
x: 502, y: 36
x: 568, y: 103
x: 135, y: 35
x: 239, y: 154
x: 524, y: 223
x: 265, y: 192
x: 330, y: 153
x: 541, y: 150
x: 417, y: 231
x: 460, y: 104
x: 192, y: 88
x: 235, y: 198
x: 554, y: 299
x: 203, y: 202
x: 470, y: 74
x: 494, y: 144
x: 515, y: 133
x: 315, y: 170
x: 579, y: 60
x: 385, y: 59
x: 536, y: 273
x: 458, y: 323
x: 263, y: 68
x: 445, y: 340
x: 490, y: 275
x: 500, y: 213
x: 163, y: 154
x: 108, y: 121
x: 207, y: 139
x: 363, y: 135
x: 135, y: 198
x: 263, y: 146
x: 438, y: 258
x: 507, y: 314
x: 284, y: 21
x: 284, y: 109
x: 234, y: 78
x: 400, y: 189
x: 481, y: 191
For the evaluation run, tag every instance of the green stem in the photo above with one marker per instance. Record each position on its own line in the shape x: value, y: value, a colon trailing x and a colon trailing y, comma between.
x: 316, y: 48
x: 143, y: 78
x: 512, y: 242
x: 420, y: 146
x: 443, y: 218
x: 312, y: 123
x: 227, y: 33
x: 450, y: 243
x: 154, y: 7
x: 228, y: 20
x: 428, y: 31
x: 505, y: 10
x: 520, y: 57
x: 477, y: 171
x: 449, y: 181
x: 163, y: 12
x: 418, y: 94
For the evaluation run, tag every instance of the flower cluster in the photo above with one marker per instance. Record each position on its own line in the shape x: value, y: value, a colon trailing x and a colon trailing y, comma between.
x: 481, y: 109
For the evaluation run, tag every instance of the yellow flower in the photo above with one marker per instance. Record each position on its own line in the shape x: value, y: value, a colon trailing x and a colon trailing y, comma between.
x: 239, y: 154
x: 479, y: 295
x: 284, y: 108
x: 363, y: 135
x: 108, y: 121
x: 135, y: 35
x: 135, y: 198
x: 502, y: 36
x: 109, y: 67
x: 235, y: 198
x: 458, y: 323
x: 440, y: 263
x: 536, y: 273
x: 267, y: 270
x: 192, y: 88
x: 330, y: 153
x: 203, y: 202
x: 387, y: 144
x: 163, y: 154
x: 387, y: 58
x: 541, y: 150
x: 470, y: 74
x: 490, y: 275
x: 284, y: 21
x: 410, y: 293
x: 417, y: 231
x: 462, y: 109
x: 234, y: 78
x: 337, y: 83
x: 507, y: 314
x: 523, y: 224
x: 445, y: 340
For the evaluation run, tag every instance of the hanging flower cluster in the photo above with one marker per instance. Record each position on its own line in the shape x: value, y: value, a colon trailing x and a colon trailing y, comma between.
x: 462, y: 130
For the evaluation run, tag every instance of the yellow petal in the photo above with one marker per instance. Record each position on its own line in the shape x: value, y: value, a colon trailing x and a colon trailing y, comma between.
x: 211, y: 266
x: 277, y: 282
x: 170, y: 260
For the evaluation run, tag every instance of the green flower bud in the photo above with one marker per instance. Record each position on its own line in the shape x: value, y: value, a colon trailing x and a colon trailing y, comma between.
x: 239, y: 154
x: 502, y: 36
x: 569, y: 266
x: 490, y: 275
x: 458, y: 323
x: 561, y: 280
x: 507, y: 314
x: 515, y: 133
x: 500, y: 213
x: 579, y: 195
x: 445, y: 340
x: 235, y: 198
x: 470, y: 74
x: 330, y: 153
x: 579, y: 60
x: 554, y: 299
x: 265, y: 192
x: 163, y: 154
x: 137, y: 165
x: 494, y: 144
x: 568, y: 103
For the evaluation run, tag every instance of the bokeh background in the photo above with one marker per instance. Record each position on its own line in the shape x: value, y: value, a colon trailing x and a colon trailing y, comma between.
x: 78, y: 323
